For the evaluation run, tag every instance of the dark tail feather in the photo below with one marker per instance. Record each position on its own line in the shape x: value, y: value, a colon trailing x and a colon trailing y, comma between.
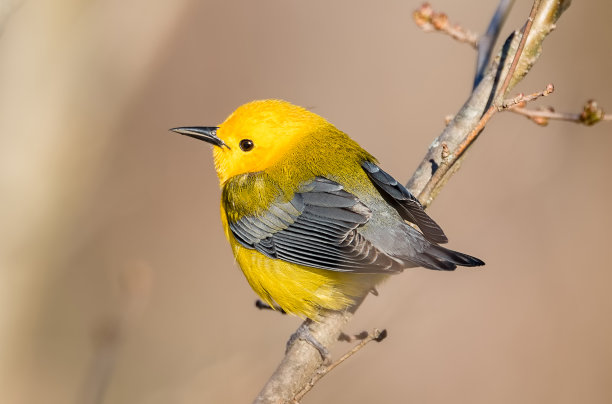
x: 440, y: 258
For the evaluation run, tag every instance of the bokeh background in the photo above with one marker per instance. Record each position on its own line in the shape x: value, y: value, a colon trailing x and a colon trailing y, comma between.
x: 116, y: 283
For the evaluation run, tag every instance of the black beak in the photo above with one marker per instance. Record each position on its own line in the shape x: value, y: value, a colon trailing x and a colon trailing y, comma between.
x: 205, y: 133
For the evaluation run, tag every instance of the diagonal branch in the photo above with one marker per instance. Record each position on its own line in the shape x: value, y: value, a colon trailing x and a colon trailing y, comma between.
x: 523, y: 51
x: 303, y: 361
x: 439, y: 177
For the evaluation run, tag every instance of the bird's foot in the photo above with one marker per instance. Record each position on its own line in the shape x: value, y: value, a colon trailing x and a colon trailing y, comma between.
x: 303, y: 333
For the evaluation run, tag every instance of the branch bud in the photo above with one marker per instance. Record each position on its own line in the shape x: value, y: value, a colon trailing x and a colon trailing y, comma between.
x: 591, y: 113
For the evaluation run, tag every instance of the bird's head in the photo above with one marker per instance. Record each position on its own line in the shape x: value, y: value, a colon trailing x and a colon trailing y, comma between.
x: 256, y: 136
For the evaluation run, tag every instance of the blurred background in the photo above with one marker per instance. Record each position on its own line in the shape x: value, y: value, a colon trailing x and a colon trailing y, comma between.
x: 116, y: 282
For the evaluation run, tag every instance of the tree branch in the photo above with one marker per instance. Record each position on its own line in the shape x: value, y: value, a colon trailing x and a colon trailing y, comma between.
x: 486, y: 43
x: 523, y: 51
x: 302, y: 362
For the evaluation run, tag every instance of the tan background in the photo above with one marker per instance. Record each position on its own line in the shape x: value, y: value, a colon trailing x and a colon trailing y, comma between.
x: 113, y: 261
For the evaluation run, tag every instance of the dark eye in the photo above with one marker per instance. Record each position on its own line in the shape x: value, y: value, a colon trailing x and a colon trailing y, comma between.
x: 246, y: 144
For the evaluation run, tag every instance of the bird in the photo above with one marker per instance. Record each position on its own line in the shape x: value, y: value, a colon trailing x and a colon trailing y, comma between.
x: 312, y: 219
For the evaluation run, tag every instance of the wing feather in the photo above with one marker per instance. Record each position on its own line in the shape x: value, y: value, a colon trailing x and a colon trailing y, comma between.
x: 316, y: 228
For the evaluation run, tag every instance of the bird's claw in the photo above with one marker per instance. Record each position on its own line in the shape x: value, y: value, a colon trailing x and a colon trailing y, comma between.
x: 303, y: 333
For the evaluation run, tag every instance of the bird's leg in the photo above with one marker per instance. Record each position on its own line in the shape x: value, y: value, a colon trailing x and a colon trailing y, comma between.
x: 261, y: 305
x: 303, y: 333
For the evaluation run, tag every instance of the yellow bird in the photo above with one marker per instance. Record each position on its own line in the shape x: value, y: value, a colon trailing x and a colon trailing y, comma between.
x: 312, y: 220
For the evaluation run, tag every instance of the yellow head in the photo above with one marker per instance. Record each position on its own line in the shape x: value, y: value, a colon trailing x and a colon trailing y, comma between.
x: 257, y: 135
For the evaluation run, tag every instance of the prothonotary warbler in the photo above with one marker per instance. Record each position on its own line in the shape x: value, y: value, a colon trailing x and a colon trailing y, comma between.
x: 312, y: 220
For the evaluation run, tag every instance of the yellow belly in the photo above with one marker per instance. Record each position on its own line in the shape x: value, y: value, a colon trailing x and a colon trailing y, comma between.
x: 301, y: 290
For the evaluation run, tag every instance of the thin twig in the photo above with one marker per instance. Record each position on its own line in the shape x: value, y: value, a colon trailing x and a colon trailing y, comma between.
x: 375, y: 335
x: 429, y: 21
x: 590, y: 115
x: 522, y: 99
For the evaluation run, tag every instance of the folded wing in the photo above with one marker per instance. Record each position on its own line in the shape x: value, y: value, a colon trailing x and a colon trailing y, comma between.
x: 317, y: 228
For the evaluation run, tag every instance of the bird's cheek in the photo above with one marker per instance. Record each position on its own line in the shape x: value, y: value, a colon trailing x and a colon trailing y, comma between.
x: 222, y: 165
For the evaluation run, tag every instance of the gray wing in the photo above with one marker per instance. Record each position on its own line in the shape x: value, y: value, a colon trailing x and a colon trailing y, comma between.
x: 404, y: 202
x: 317, y: 228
